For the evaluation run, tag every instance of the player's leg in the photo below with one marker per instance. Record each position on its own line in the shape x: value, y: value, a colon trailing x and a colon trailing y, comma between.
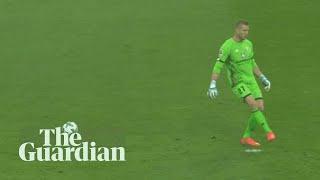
x: 257, y: 107
x: 252, y: 122
x: 269, y: 133
x: 251, y: 126
x: 256, y: 112
x: 260, y: 103
x: 242, y: 91
x: 256, y: 104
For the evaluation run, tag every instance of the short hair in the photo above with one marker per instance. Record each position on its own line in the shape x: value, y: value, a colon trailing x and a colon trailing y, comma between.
x: 241, y: 22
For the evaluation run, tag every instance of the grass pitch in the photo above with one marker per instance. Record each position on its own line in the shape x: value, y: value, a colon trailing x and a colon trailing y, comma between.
x: 135, y: 74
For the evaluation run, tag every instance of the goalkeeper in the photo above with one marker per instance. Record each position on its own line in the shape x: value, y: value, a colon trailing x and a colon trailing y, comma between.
x: 236, y: 54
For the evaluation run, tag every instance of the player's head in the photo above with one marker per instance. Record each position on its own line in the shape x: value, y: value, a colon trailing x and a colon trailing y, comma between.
x: 242, y: 29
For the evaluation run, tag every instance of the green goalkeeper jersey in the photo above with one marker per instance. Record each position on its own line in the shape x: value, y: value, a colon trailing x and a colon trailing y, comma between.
x: 238, y: 59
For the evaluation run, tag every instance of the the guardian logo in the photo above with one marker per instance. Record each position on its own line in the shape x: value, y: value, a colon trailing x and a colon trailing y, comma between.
x: 68, y: 147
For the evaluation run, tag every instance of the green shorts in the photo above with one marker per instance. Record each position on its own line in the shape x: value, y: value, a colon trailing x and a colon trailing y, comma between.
x: 242, y: 90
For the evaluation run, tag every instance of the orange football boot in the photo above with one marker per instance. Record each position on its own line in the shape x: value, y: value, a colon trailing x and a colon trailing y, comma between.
x: 271, y: 136
x: 249, y: 141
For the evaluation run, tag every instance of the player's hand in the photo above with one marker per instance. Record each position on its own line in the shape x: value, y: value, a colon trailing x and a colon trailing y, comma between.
x: 266, y: 83
x: 212, y: 91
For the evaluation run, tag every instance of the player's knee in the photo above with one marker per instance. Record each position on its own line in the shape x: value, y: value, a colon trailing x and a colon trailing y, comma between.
x: 254, y: 104
x: 257, y: 105
x: 261, y: 107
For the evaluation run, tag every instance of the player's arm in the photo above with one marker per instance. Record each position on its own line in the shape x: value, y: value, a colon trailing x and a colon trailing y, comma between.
x: 213, y: 91
x: 218, y: 66
x: 266, y: 83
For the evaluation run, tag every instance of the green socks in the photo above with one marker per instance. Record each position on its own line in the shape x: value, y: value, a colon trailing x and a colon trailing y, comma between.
x: 255, y: 118
x: 261, y: 120
x: 252, y: 124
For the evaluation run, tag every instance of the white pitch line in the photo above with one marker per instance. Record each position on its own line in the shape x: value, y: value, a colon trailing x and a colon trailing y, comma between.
x: 253, y: 150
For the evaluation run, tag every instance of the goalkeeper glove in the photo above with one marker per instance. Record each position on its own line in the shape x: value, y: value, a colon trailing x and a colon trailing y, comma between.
x: 266, y: 83
x: 212, y: 91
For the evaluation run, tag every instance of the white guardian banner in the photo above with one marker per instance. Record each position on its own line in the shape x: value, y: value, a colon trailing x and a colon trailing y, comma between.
x: 67, y: 147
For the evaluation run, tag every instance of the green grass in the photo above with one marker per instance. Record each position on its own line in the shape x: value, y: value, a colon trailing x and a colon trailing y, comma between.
x: 135, y: 74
